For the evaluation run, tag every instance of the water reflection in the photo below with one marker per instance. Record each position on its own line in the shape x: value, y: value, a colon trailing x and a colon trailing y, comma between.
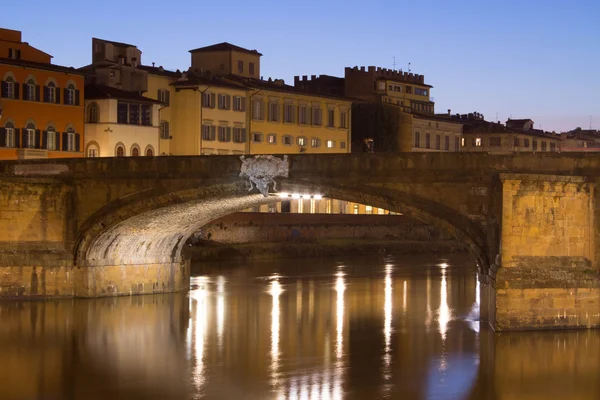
x: 293, y: 330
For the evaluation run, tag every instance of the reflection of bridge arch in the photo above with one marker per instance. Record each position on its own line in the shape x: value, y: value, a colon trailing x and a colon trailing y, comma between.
x: 152, y: 226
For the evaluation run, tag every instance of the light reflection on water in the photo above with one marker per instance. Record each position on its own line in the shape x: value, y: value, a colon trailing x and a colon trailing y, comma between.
x: 305, y: 329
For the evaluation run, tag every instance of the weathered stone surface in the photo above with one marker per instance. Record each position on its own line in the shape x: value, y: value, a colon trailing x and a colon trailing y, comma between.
x: 512, y: 212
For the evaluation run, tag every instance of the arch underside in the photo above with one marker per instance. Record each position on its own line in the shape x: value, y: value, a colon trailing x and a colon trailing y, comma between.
x: 158, y: 235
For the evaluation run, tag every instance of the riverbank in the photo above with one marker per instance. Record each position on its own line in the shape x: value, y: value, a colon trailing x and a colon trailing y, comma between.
x: 212, y: 251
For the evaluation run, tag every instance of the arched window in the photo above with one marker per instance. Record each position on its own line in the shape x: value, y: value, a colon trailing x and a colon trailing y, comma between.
x: 71, y: 95
x: 120, y: 151
x: 50, y: 93
x: 92, y: 150
x: 50, y: 138
x: 70, y: 136
x: 9, y: 139
x: 31, y: 92
x: 149, y: 152
x: 29, y: 136
x: 135, y: 150
x: 9, y: 89
x: 93, y: 113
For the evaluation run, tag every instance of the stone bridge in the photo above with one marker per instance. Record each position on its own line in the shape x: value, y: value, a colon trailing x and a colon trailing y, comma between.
x: 118, y: 226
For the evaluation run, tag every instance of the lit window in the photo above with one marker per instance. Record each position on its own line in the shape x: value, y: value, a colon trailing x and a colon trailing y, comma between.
x: 272, y: 138
x: 301, y: 141
x: 477, y: 142
x: 368, y: 210
x: 355, y: 209
x: 315, y: 142
x: 462, y: 142
x: 330, y: 144
x: 312, y: 206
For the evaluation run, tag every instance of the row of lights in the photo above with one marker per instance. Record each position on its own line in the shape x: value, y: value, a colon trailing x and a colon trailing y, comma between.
x: 300, y: 196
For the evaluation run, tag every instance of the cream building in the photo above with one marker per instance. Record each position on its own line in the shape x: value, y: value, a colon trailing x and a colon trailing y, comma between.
x: 120, y: 123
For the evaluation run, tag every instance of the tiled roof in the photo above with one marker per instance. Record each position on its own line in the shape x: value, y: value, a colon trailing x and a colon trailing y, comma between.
x: 38, y: 65
x: 225, y: 47
x: 106, y: 92
x: 160, y: 71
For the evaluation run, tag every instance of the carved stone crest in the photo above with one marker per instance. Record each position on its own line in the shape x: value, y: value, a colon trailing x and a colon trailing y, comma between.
x: 262, y: 170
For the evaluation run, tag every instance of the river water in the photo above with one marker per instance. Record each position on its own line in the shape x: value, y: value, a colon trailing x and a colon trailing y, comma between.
x: 360, y: 328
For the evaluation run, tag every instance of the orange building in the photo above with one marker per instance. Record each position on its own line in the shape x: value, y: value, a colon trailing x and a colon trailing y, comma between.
x: 41, y: 104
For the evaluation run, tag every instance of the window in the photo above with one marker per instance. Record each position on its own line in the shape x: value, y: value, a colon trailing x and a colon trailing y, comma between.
x: 427, y: 141
x: 93, y: 113
x: 456, y: 146
x: 224, y: 101
x: 14, y: 54
x: 417, y: 139
x: 316, y: 116
x: 355, y: 210
x: 164, y: 130
x: 135, y: 152
x: 134, y: 114
x: 381, y: 85
x: 343, y: 119
x: 50, y: 137
x: 120, y: 151
x: 240, y: 67
x: 303, y: 115
x: 208, y: 100
x: 51, y: 94
x: 330, y: 118
x: 301, y: 140
x: 330, y: 144
x: 10, y: 89
x: 552, y: 146
x: 526, y: 143
x: 70, y: 140
x: 288, y: 113
x: 92, y: 152
x: 30, y: 91
x: 273, y: 112
x: 534, y: 145
x: 368, y: 210
x: 516, y: 142
x: 272, y: 138
x: 257, y: 137
x: 224, y: 134
x: 122, y: 112
x: 239, y: 135
x: 164, y: 96
x: 149, y: 152
x: 544, y: 146
x: 71, y: 95
x: 29, y: 137
x: 10, y: 135
x: 315, y: 142
x: 342, y: 145
x: 495, y: 141
x: 446, y: 143
x: 258, y: 112
x: 300, y: 205
x: 209, y: 132
x: 287, y: 140
x: 408, y: 89
x: 239, y: 103
x: 251, y: 69
x: 437, y: 142
x: 313, y: 205
x: 462, y: 142
x: 421, y: 92
x: 477, y: 142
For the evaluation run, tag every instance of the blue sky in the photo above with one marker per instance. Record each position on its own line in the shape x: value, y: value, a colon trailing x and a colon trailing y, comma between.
x: 535, y: 59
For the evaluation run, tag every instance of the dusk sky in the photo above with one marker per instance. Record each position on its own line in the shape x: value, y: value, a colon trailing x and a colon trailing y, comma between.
x: 525, y: 59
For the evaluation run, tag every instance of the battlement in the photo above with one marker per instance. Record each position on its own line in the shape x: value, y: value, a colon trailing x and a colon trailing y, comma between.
x: 378, y: 72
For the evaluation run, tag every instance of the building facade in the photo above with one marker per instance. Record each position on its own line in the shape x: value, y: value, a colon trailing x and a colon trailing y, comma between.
x: 41, y: 104
x: 120, y: 122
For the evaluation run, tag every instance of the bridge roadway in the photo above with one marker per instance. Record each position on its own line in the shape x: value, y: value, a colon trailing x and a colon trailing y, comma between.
x: 117, y: 226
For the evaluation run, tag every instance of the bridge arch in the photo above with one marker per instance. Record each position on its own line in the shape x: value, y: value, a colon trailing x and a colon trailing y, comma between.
x: 152, y: 226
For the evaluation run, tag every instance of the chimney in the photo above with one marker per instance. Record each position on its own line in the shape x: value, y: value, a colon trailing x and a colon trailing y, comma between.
x: 449, y: 112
